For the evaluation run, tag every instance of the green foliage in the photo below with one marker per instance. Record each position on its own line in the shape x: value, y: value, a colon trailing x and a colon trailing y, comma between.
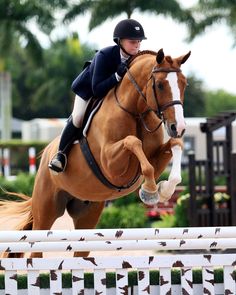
x: 22, y: 184
x: 211, y: 12
x: 45, y: 90
x: 166, y: 221
x: 219, y: 101
x: 125, y: 212
x: 13, y: 143
x: 131, y: 198
x: 130, y: 216
x: 128, y: 212
x: 180, y: 216
x: 100, y: 11
x: 181, y: 211
x: 194, y: 102
x: 15, y: 17
x: 219, y: 180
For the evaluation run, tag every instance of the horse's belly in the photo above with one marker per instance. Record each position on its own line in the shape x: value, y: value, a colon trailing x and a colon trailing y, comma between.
x: 91, y: 189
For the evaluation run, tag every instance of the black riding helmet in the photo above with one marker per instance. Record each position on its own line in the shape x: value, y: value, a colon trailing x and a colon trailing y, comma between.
x: 128, y: 29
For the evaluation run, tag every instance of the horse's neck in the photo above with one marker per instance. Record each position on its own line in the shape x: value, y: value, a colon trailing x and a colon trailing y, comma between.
x: 132, y: 89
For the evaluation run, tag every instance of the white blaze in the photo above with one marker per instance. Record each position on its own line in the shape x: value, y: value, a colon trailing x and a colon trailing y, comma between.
x: 179, y: 114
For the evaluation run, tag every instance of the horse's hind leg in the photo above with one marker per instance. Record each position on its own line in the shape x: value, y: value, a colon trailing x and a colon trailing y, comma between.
x: 85, y: 215
x: 46, y: 208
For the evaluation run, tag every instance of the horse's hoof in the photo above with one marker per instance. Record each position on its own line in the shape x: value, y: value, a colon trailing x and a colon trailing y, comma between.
x: 148, y: 198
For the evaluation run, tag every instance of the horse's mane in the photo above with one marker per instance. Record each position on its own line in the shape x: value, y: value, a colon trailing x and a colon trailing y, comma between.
x: 142, y: 53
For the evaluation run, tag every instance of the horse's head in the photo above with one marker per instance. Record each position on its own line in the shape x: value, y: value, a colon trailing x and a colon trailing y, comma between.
x: 168, y: 86
x: 159, y: 85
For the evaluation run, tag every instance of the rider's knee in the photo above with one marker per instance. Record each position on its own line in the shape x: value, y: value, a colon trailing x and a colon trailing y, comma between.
x: 77, y: 120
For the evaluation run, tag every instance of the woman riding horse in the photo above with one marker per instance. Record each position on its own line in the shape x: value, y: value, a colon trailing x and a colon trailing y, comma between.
x: 105, y: 71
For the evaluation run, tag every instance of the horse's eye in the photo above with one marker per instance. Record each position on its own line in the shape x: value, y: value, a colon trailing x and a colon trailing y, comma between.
x: 160, y: 86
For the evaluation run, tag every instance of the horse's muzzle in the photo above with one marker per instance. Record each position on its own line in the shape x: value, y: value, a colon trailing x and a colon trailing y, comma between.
x: 174, y: 132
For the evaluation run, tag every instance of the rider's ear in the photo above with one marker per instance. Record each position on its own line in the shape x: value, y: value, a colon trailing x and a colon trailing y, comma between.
x: 182, y: 59
x: 160, y: 56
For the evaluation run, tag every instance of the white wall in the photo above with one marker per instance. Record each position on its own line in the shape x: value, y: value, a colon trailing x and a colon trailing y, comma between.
x: 42, y: 129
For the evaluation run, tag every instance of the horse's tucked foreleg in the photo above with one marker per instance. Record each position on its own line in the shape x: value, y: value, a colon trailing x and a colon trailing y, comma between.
x: 148, y: 192
x: 166, y: 188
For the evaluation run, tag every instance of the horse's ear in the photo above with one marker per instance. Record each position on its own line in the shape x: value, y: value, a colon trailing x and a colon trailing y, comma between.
x: 182, y: 59
x: 160, y: 56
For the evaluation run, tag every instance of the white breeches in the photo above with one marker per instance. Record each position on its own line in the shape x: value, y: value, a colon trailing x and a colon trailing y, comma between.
x: 78, y: 112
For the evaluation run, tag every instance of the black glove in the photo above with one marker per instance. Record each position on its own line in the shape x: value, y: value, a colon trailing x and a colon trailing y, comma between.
x: 122, y: 69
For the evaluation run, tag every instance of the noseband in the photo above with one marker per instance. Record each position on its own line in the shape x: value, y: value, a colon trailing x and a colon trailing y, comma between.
x: 160, y: 108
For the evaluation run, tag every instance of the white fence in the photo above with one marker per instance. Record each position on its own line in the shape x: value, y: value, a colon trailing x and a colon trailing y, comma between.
x: 205, y: 240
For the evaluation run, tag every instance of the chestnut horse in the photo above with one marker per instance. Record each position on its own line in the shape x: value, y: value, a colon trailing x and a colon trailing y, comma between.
x: 127, y: 142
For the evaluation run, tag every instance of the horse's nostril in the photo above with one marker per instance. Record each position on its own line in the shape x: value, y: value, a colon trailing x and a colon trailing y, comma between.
x: 173, y: 127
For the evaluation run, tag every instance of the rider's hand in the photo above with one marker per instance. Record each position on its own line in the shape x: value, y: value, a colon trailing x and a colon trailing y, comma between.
x: 121, y: 69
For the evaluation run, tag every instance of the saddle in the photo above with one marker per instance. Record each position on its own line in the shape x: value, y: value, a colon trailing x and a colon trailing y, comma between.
x: 92, y: 107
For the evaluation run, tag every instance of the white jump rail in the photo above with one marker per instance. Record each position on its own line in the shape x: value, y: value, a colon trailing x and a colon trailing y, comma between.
x: 179, y: 239
x: 119, y: 234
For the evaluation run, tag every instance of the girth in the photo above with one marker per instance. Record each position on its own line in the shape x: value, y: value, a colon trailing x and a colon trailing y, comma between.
x: 97, y: 171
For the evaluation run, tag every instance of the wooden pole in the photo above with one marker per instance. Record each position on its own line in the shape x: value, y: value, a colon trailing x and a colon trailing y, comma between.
x: 5, y: 105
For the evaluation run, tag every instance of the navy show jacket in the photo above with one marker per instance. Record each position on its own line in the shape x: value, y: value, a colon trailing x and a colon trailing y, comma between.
x: 99, y: 77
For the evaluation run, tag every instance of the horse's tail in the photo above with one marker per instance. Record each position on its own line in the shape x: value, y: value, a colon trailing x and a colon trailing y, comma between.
x: 20, y: 210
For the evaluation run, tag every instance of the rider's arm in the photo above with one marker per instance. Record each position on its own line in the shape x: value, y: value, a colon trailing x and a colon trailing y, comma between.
x: 104, y: 77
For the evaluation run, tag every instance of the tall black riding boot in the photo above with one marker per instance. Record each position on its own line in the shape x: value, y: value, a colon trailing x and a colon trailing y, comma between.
x: 69, y: 134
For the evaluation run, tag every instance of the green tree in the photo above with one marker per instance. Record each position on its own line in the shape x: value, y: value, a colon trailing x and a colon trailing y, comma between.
x: 194, y: 103
x: 64, y: 60
x: 210, y: 12
x: 104, y: 9
x: 219, y: 101
x: 45, y: 91
x: 20, y: 67
x: 15, y: 24
x: 16, y: 19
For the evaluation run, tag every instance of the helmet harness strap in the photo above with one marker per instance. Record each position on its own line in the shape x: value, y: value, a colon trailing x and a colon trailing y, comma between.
x: 119, y: 44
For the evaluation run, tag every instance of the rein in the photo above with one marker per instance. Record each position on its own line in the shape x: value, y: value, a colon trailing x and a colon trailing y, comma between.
x: 160, y: 109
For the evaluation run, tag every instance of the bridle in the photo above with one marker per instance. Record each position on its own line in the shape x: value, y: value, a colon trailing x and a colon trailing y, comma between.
x: 160, y: 108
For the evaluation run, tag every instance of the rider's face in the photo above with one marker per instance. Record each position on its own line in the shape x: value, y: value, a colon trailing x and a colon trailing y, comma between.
x: 131, y: 46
